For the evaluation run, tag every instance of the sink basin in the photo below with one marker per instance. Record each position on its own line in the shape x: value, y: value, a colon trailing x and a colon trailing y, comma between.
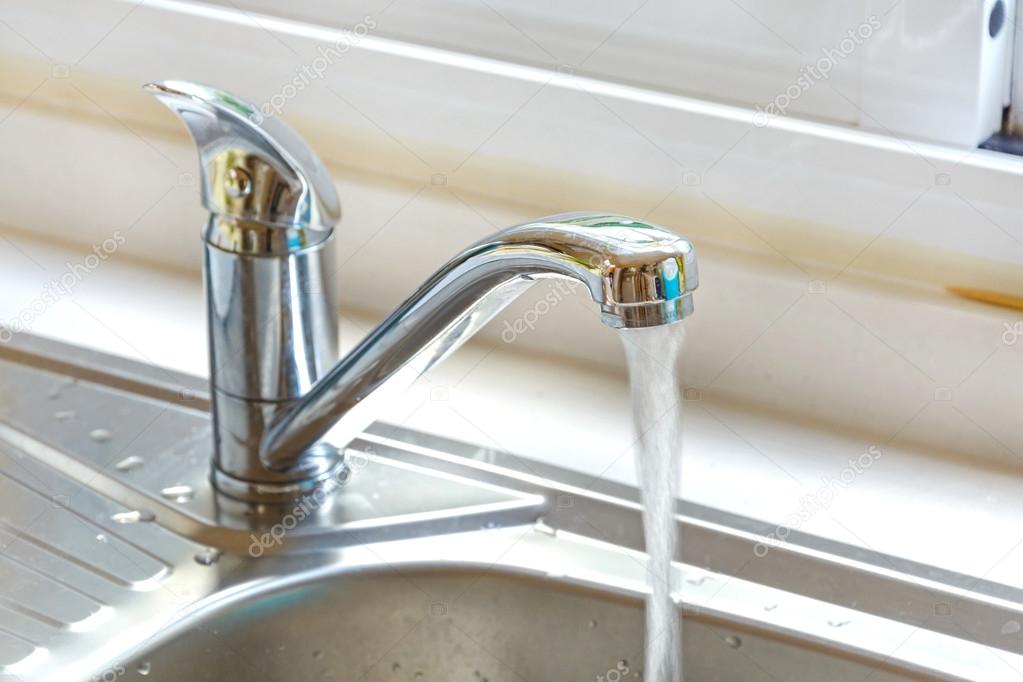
x: 471, y: 626
x: 438, y: 561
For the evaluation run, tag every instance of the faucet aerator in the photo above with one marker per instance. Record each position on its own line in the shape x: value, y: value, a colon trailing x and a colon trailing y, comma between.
x: 641, y: 315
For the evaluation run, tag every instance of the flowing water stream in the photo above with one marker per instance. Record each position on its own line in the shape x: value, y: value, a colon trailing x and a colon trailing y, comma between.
x: 652, y: 355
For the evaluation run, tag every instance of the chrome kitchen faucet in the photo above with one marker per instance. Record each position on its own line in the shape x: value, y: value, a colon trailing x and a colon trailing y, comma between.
x: 277, y: 387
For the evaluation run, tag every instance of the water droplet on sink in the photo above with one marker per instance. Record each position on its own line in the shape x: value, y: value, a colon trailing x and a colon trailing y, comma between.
x: 100, y: 435
x: 395, y: 667
x: 129, y: 463
x: 144, y: 668
x: 733, y: 641
x: 178, y: 493
x: 317, y: 655
x: 101, y: 538
x: 419, y: 675
x: 541, y: 527
x: 770, y: 607
x: 592, y: 624
x: 64, y: 415
x: 838, y: 623
x: 208, y: 557
x: 57, y: 391
x: 133, y: 516
x: 1011, y: 627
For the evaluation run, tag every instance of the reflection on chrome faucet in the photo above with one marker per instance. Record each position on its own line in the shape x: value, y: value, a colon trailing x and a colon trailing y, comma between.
x: 272, y: 314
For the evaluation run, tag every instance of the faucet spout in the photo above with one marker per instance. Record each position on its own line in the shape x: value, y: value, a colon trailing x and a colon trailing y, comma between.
x: 640, y: 275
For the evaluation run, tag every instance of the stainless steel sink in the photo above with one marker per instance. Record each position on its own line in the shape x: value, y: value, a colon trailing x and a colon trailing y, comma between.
x: 469, y: 626
x: 437, y: 561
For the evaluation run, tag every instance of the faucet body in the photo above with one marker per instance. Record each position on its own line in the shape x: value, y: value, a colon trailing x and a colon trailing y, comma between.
x: 277, y: 386
x: 272, y: 324
x: 269, y: 276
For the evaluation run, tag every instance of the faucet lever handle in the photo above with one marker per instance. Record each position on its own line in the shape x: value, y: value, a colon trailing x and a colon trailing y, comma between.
x: 255, y: 169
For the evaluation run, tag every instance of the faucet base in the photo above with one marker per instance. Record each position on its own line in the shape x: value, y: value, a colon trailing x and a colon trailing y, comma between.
x: 263, y: 493
x: 238, y: 425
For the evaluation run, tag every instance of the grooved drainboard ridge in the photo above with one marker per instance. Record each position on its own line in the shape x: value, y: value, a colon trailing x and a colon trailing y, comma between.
x: 71, y: 576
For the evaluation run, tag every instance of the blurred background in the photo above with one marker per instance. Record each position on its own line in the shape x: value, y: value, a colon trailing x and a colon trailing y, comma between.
x: 845, y: 170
